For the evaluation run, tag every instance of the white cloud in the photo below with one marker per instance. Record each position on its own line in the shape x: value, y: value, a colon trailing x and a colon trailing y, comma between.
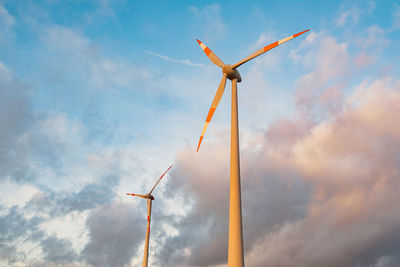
x: 181, y: 61
x: 71, y: 226
x: 16, y: 194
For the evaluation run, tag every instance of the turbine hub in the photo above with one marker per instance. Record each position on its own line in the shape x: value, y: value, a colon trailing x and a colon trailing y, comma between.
x: 231, y: 73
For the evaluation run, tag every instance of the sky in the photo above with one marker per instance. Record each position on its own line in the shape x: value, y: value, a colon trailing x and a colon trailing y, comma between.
x: 98, y: 98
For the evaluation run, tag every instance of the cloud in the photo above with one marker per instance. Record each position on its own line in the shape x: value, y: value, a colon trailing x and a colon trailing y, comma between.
x: 114, y: 235
x: 15, y: 228
x: 51, y: 227
x: 181, y: 61
x: 203, y: 179
x: 69, y: 50
x: 7, y: 19
x: 363, y: 60
x: 371, y: 42
x: 67, y: 178
x: 373, y: 38
x: 355, y: 176
x: 48, y: 158
x: 329, y: 63
x: 15, y: 120
x: 351, y: 13
x: 57, y: 251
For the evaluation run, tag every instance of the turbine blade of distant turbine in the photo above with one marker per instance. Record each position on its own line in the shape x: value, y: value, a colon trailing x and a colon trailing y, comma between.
x: 214, y: 59
x: 267, y: 48
x: 159, y: 179
x: 214, y: 105
x: 136, y: 195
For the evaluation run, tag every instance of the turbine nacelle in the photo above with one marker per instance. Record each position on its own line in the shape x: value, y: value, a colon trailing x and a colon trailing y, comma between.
x: 231, y: 73
x: 149, y: 196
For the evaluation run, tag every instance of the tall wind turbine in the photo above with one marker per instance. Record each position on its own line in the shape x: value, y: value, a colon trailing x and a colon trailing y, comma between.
x: 235, y: 248
x: 149, y: 199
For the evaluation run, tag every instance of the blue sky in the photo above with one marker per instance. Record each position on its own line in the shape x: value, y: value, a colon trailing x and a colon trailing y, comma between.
x: 97, y: 98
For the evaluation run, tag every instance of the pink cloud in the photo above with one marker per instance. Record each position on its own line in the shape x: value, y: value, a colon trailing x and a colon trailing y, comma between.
x: 363, y: 60
x: 313, y: 194
x: 329, y: 64
x: 352, y: 162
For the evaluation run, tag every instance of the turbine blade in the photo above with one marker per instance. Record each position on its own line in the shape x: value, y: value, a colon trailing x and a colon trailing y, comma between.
x: 214, y: 59
x: 136, y: 195
x: 267, y: 48
x: 159, y: 179
x: 217, y: 98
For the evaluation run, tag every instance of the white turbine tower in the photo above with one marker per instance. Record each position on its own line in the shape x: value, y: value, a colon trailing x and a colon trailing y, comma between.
x: 235, y: 248
x: 149, y: 199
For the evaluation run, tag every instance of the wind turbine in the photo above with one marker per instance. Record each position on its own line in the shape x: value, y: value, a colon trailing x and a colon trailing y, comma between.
x: 235, y: 247
x: 149, y: 199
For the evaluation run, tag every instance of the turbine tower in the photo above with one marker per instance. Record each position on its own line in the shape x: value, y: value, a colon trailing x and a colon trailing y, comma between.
x: 149, y: 199
x: 235, y: 247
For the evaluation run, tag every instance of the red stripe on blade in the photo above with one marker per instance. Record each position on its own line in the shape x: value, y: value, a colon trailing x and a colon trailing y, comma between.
x: 210, y: 114
x: 297, y: 34
x: 207, y: 51
x: 270, y: 46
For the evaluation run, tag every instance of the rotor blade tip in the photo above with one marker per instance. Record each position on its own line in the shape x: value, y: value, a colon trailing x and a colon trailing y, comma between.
x: 198, y: 41
x: 300, y: 33
x: 198, y: 146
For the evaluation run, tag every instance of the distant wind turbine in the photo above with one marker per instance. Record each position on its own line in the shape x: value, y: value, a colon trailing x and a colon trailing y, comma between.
x: 149, y: 199
x: 235, y: 247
